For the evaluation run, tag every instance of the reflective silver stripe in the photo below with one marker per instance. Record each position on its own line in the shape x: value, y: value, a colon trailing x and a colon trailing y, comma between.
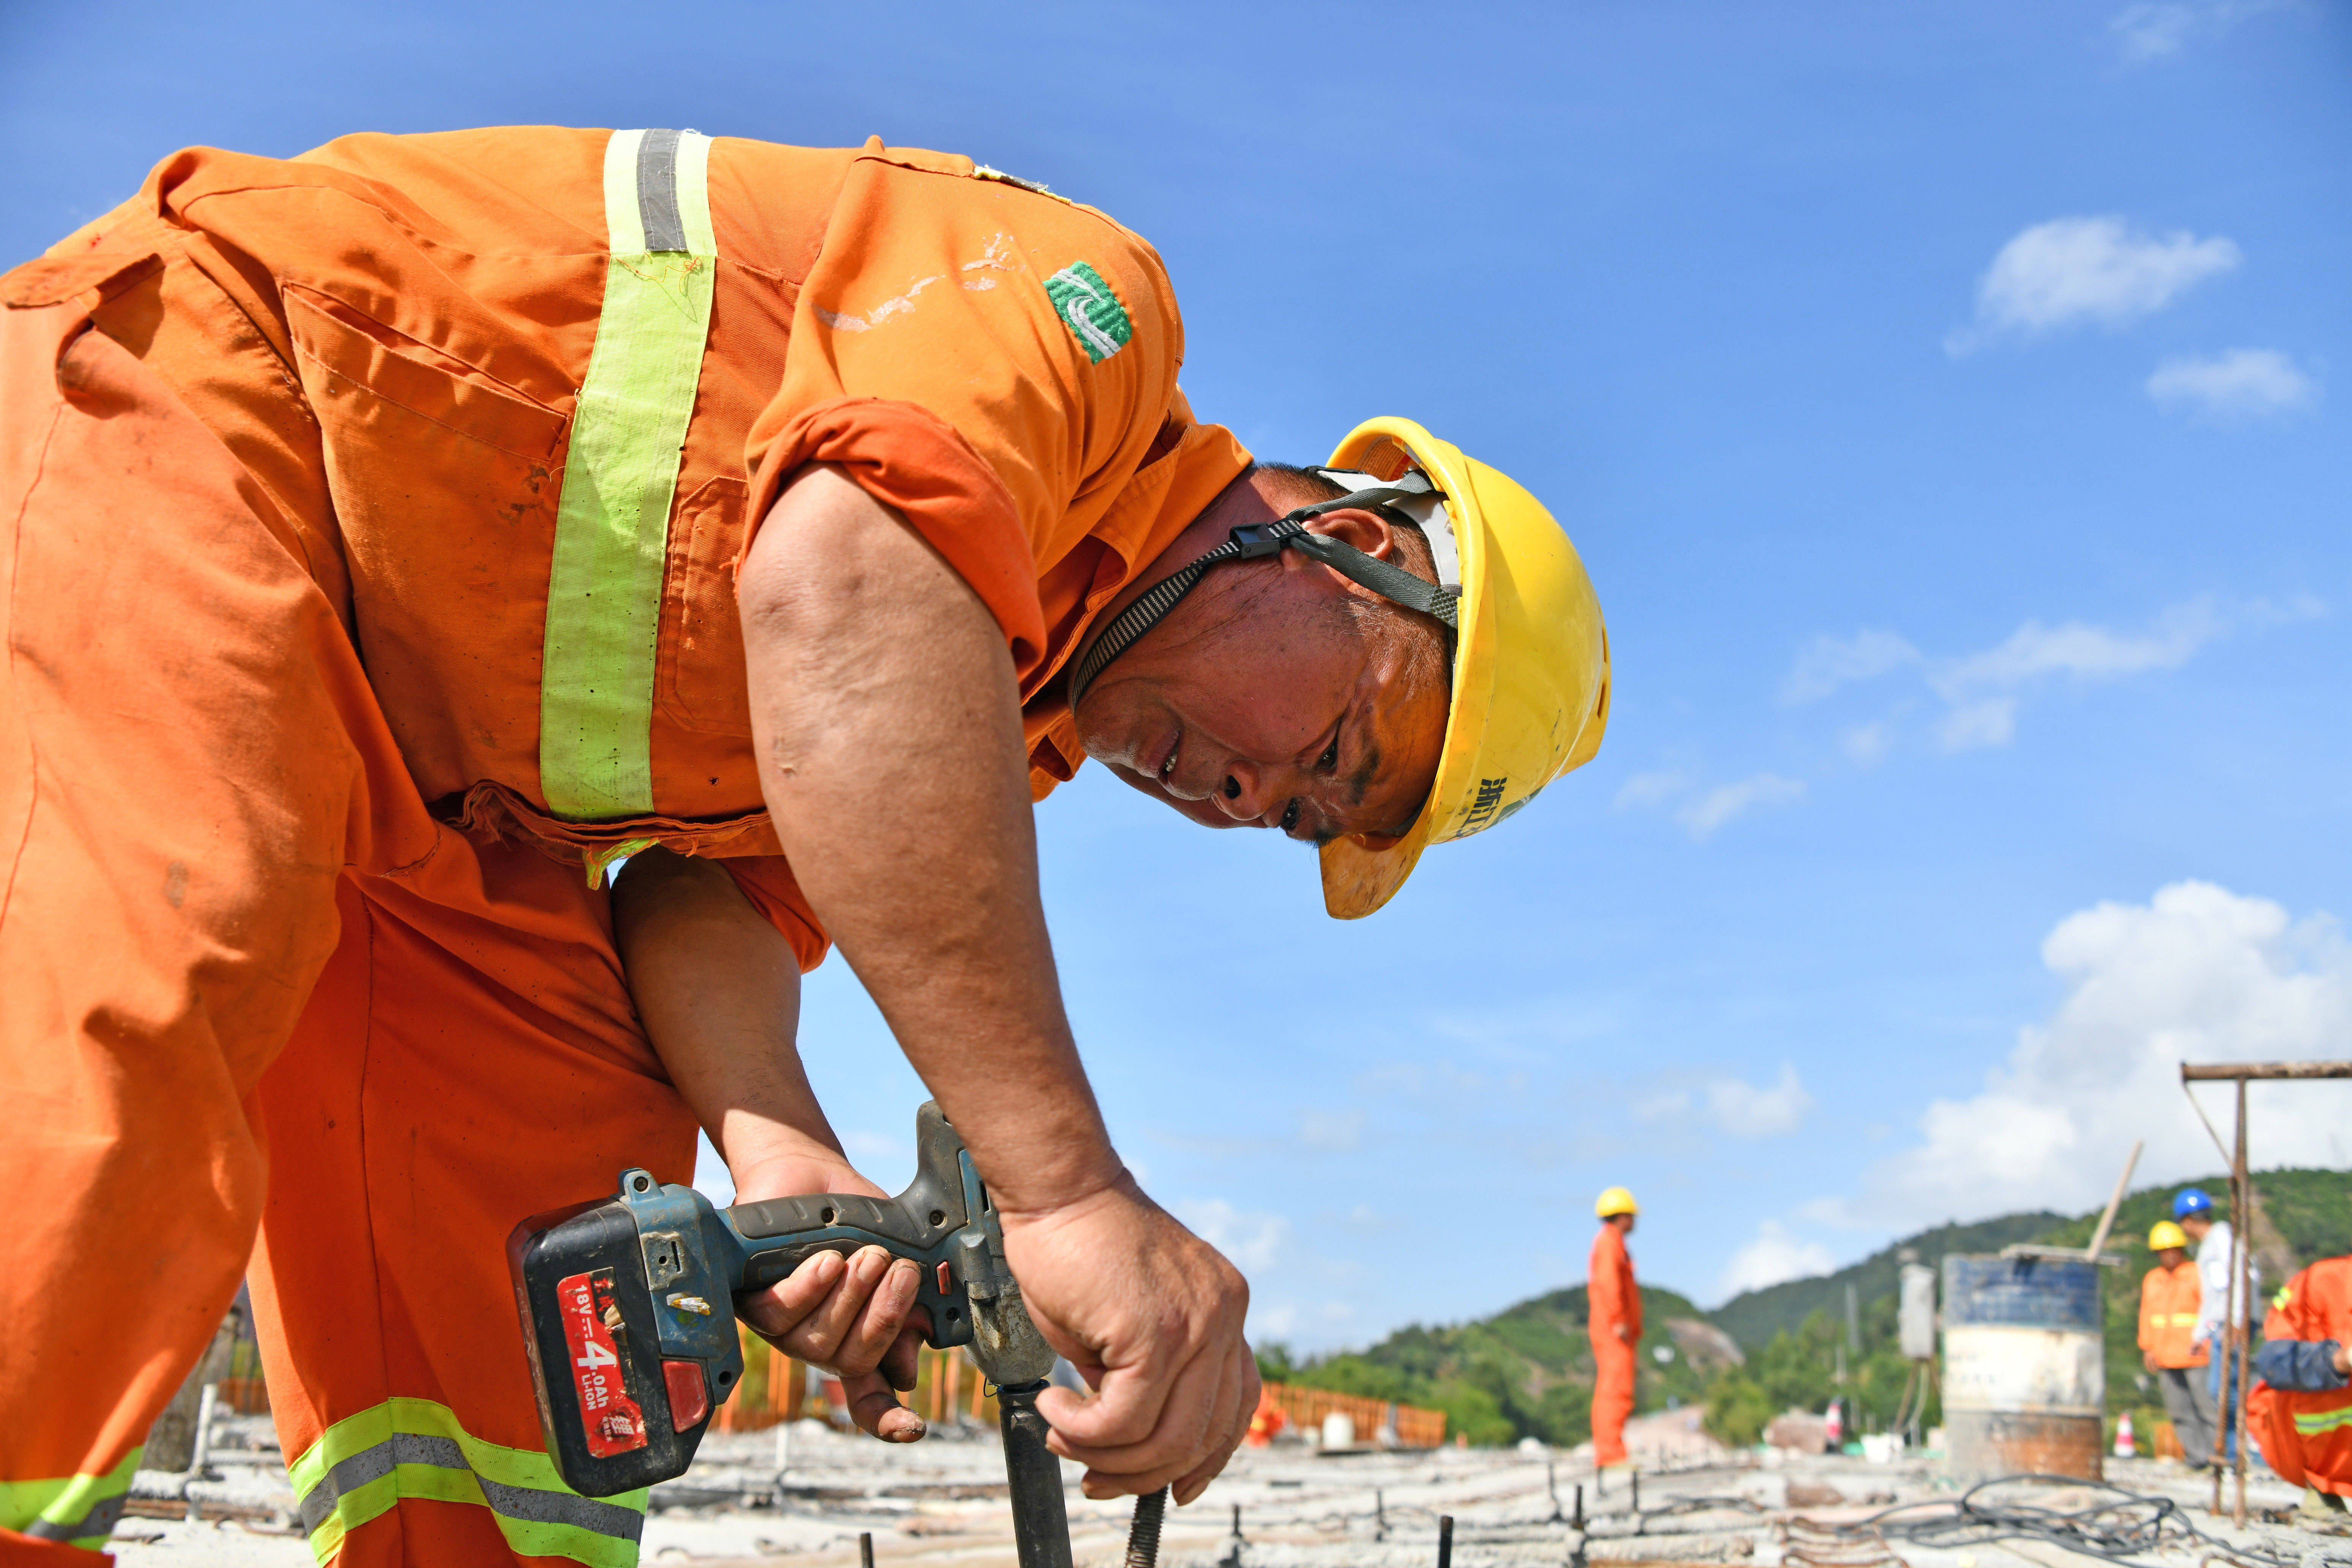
x: 526, y: 1504
x: 98, y: 1520
x: 373, y: 1464
x: 563, y: 1508
x: 658, y: 190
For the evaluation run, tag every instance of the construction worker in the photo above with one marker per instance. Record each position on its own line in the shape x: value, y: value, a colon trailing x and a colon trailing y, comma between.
x: 2301, y: 1411
x: 2170, y: 1296
x: 1614, y: 1322
x: 2220, y: 1325
x: 399, y: 535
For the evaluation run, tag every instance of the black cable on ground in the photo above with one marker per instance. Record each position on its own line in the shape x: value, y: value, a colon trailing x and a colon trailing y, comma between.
x: 2130, y: 1526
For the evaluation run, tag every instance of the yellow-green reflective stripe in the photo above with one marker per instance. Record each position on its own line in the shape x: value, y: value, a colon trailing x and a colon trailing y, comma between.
x: 611, y: 525
x: 599, y: 861
x: 78, y: 1509
x: 364, y: 1464
x: 2311, y: 1423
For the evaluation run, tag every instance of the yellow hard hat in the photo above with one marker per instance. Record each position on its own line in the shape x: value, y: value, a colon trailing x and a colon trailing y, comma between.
x: 2164, y: 1234
x: 1615, y: 1201
x: 1530, y: 665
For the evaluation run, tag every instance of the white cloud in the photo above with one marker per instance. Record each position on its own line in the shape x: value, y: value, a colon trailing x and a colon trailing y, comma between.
x: 1700, y: 811
x: 1745, y: 1110
x: 1991, y: 722
x: 2150, y: 32
x: 1333, y: 1132
x: 2197, y: 973
x: 2241, y: 384
x: 1252, y: 1240
x: 2072, y: 270
x: 1321, y: 1322
x: 1866, y: 746
x: 1982, y: 691
x: 1772, y: 1258
x: 1827, y: 663
x: 1652, y: 789
x: 1703, y: 813
x: 1734, y: 1105
x: 2085, y: 652
x: 2159, y: 29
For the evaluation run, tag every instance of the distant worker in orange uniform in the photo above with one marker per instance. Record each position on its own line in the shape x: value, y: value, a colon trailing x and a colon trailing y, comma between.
x: 1615, y: 1323
x: 2168, y: 1347
x: 2300, y: 1413
x: 400, y: 536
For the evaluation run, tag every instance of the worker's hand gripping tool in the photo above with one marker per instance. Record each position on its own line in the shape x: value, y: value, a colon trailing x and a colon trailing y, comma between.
x: 627, y: 1309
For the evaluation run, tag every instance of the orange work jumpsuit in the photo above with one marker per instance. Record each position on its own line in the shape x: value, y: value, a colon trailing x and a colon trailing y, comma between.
x: 2168, y: 1300
x: 1615, y: 1301
x: 2306, y: 1436
x: 371, y: 524
x: 2168, y: 1315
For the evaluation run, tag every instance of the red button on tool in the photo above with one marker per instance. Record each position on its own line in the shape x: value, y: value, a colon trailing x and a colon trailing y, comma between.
x: 689, y: 1401
x: 943, y: 1276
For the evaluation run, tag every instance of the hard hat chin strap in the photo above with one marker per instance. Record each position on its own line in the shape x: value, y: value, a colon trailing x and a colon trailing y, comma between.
x: 1253, y: 540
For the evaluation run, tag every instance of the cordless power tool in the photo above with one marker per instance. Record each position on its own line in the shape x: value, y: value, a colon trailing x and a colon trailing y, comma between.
x: 628, y: 1312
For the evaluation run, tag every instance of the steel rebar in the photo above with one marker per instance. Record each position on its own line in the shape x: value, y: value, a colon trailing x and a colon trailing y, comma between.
x: 1143, y: 1535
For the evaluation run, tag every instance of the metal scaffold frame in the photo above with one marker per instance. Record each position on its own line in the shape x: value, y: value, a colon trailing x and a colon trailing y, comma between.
x: 2238, y: 1337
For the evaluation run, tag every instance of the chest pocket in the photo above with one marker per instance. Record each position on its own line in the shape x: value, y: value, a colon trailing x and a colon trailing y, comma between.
x: 443, y: 481
x: 702, y: 685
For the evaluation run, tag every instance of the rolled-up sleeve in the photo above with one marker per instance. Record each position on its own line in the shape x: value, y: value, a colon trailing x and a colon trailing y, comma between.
x: 768, y: 883
x: 992, y: 363
x: 2304, y: 1366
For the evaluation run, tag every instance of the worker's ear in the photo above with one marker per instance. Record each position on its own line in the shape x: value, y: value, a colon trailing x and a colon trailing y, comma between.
x: 1367, y: 531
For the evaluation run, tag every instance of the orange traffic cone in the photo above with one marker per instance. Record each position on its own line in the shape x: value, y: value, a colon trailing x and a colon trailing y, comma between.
x: 2125, y: 1447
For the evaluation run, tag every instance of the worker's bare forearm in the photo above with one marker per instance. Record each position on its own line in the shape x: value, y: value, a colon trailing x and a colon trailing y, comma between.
x: 888, y: 731
x: 718, y: 991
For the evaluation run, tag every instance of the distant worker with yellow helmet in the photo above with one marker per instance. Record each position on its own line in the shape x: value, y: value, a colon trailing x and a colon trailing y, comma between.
x: 1614, y: 1322
x: 2168, y: 1347
x: 466, y: 514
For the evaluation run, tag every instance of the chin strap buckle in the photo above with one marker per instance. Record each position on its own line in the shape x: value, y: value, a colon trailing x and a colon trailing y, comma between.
x: 1254, y: 541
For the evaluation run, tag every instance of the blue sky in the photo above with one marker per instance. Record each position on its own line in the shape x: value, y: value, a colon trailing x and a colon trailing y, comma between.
x: 1950, y: 404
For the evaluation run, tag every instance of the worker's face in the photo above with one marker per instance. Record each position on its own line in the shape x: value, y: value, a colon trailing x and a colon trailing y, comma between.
x: 1258, y: 702
x: 1623, y: 1222
x: 2172, y: 1258
x: 2196, y: 1225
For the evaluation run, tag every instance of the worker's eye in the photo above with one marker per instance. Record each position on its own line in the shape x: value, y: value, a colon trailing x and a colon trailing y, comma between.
x: 1290, y: 814
x: 1330, y: 757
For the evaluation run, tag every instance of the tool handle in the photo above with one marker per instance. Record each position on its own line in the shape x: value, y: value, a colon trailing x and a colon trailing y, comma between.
x: 941, y: 1223
x: 1041, y: 1521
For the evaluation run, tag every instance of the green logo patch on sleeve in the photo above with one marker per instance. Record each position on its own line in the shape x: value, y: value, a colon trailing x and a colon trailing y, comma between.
x: 1091, y: 310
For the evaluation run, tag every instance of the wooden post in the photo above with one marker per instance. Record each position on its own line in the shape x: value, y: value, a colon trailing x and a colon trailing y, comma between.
x: 2107, y: 1220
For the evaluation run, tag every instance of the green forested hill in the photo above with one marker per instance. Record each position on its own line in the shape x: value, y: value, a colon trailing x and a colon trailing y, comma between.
x: 1527, y: 1369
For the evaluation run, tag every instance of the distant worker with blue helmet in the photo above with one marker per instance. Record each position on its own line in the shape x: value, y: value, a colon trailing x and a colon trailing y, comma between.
x: 2217, y: 1322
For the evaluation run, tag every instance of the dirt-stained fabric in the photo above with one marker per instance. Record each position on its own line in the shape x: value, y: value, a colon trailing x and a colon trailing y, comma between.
x: 281, y: 447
